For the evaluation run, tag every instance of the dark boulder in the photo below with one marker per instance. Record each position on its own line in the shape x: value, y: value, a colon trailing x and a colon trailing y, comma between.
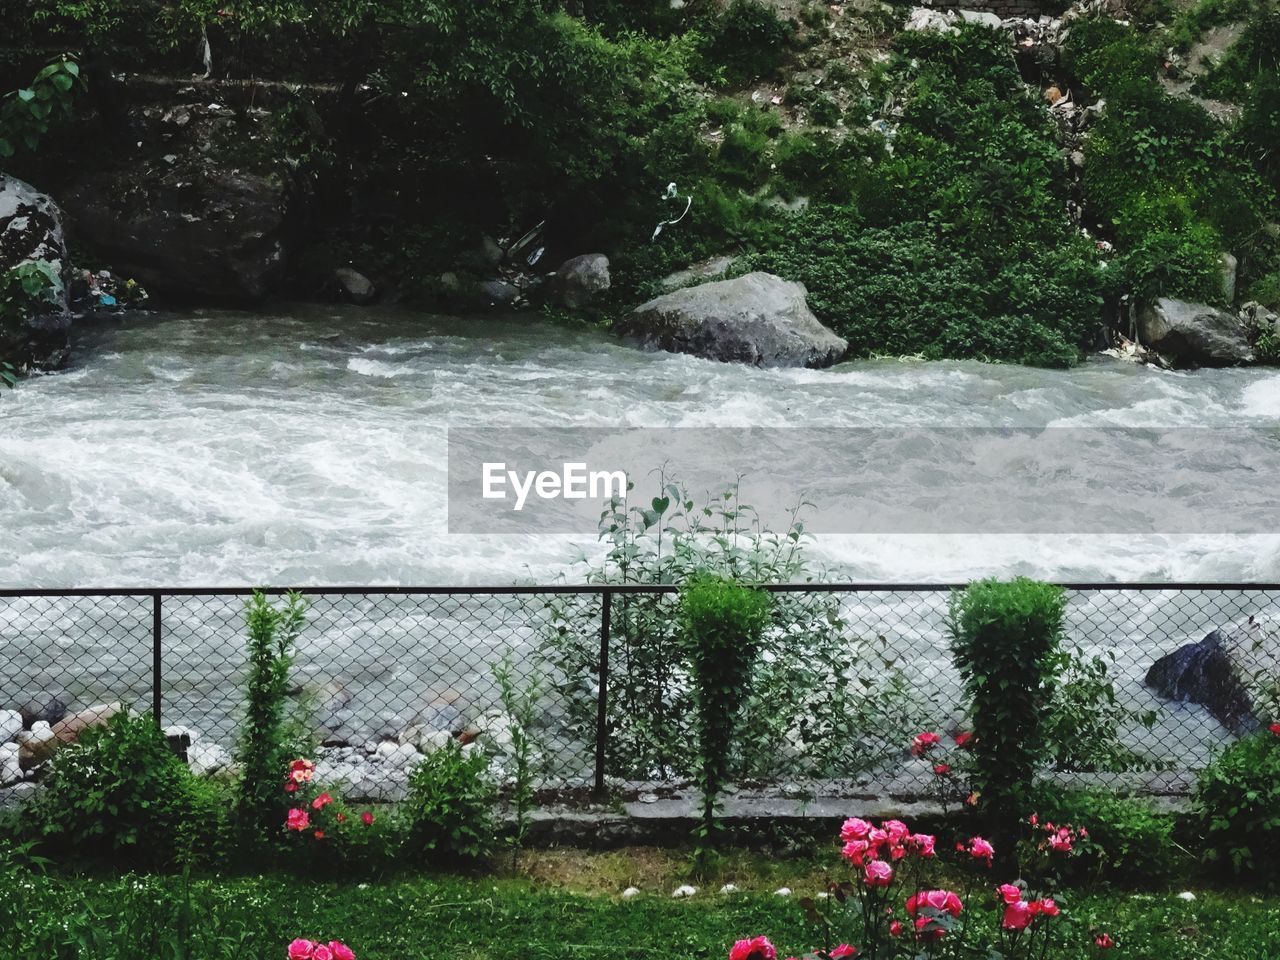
x: 31, y: 239
x: 211, y: 234
x: 1206, y: 673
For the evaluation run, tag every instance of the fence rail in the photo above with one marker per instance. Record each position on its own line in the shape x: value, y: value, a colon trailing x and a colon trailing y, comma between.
x: 848, y: 672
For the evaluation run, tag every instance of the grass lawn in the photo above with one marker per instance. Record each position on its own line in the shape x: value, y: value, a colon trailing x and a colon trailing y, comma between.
x: 560, y: 904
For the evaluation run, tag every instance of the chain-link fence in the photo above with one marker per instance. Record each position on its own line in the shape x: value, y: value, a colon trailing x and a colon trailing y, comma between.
x: 1154, y: 680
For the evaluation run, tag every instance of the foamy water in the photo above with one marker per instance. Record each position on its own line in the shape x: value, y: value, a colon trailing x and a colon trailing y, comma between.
x: 308, y: 447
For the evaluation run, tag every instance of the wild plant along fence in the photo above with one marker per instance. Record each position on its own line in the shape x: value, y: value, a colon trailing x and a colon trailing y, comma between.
x: 1154, y: 680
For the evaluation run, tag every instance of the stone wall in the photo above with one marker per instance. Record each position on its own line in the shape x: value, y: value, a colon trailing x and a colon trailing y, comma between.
x: 1004, y: 9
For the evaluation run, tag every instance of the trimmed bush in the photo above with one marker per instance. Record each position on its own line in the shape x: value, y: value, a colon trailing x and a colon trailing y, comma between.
x: 721, y: 623
x: 1006, y: 637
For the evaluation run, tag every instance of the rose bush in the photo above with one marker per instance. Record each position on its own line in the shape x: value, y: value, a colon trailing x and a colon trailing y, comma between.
x: 302, y: 949
x: 318, y: 822
x: 895, y: 907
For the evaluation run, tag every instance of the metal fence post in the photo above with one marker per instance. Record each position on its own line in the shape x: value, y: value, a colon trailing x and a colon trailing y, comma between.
x: 602, y: 699
x: 155, y: 655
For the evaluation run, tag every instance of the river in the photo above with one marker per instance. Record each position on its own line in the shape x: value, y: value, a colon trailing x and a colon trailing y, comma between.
x: 306, y: 445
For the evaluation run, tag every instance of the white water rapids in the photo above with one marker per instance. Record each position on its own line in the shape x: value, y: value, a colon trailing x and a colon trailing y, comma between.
x: 307, y: 446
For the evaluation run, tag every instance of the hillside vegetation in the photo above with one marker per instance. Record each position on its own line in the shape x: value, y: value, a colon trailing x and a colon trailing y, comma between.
x: 926, y: 185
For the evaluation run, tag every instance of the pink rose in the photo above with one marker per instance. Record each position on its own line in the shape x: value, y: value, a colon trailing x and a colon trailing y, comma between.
x: 1049, y: 907
x: 1017, y: 915
x: 928, y: 928
x: 1009, y: 893
x: 1275, y: 728
x: 877, y: 873
x: 341, y: 951
x: 855, y: 851
x: 895, y: 928
x: 298, y: 820
x: 756, y: 948
x: 896, y: 830
x: 964, y: 740
x: 943, y: 901
x: 322, y: 801
x: 366, y: 818
x: 854, y: 829
x: 322, y: 953
x: 1103, y: 941
x: 923, y: 844
x: 980, y: 849
x: 878, y: 837
x: 301, y: 949
x: 942, y: 769
x: 843, y: 951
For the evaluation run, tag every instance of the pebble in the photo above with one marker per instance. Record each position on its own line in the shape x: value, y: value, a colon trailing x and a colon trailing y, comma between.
x: 1186, y: 895
x: 630, y: 892
x: 684, y: 891
x: 729, y: 888
x: 782, y: 892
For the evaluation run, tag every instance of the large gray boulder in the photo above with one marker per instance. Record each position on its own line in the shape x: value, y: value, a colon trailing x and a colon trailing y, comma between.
x: 1210, y: 673
x: 580, y: 280
x: 1194, y: 333
x: 31, y: 233
x: 758, y: 319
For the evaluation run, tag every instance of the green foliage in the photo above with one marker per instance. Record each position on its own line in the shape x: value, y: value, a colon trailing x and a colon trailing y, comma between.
x: 1238, y: 799
x: 1006, y: 638
x: 721, y: 624
x: 1106, y: 55
x: 1192, y: 22
x: 520, y: 698
x: 1129, y: 842
x: 748, y: 41
x: 1259, y: 130
x: 1255, y: 56
x: 906, y: 290
x: 818, y: 686
x: 1086, y: 725
x: 264, y: 749
x: 27, y: 114
x: 28, y: 288
x: 121, y: 795
x: 449, y: 810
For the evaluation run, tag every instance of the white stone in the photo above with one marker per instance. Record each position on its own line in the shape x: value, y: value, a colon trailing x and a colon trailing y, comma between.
x: 630, y: 892
x: 10, y: 725
x: 729, y: 888
x: 683, y: 891
x: 10, y: 769
x: 398, y: 754
x: 782, y: 892
x: 431, y: 740
x: 1186, y: 895
x: 207, y: 758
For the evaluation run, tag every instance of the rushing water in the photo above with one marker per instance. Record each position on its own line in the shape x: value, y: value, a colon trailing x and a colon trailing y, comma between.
x: 307, y: 446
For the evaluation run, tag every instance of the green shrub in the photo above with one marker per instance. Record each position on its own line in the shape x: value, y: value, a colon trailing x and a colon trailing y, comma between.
x: 1005, y: 637
x: 265, y: 748
x: 1238, y: 799
x: 449, y: 809
x: 748, y: 41
x: 121, y: 795
x: 1253, y: 57
x: 721, y: 623
x: 1086, y: 724
x: 1129, y: 841
x: 1105, y: 55
x: 744, y: 157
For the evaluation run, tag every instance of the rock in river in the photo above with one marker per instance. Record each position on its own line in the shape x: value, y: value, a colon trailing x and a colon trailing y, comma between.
x: 1207, y: 673
x: 1194, y: 333
x: 758, y: 319
x: 31, y: 233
